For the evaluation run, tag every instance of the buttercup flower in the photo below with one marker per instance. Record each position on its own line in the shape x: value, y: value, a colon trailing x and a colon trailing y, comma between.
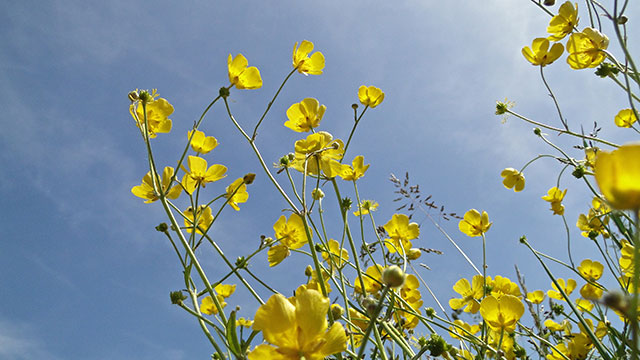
x: 503, y: 286
x: 626, y: 258
x: 240, y: 75
x: 372, y: 280
x: 594, y: 222
x: 562, y: 24
x: 471, y: 293
x: 567, y: 287
x: 207, y: 306
x: 305, y: 115
x: 336, y: 256
x: 291, y: 235
x: 199, y: 175
x: 458, y: 333
x: 201, y: 219
x: 320, y: 152
x: 591, y: 270
x: 355, y: 171
x: 502, y: 314
x: 474, y: 224
x: 400, y: 232
x: 158, y: 111
x: 303, y: 63
x: 618, y: 176
x: 513, y: 179
x: 535, y: 297
x: 370, y: 96
x: 237, y: 193
x: 555, y: 197
x: 625, y: 118
x: 591, y: 292
x: 202, y: 144
x: 366, y: 206
x: 145, y: 190
x: 297, y: 328
x: 540, y: 54
x: 585, y: 49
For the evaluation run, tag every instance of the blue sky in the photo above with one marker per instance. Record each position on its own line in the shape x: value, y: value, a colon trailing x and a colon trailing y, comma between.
x: 85, y: 276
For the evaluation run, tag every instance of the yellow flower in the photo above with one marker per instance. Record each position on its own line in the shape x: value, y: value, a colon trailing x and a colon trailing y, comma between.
x: 372, y: 279
x: 400, y: 232
x: 567, y: 287
x: 158, y: 111
x: 626, y: 258
x: 303, y: 63
x: 474, y: 224
x: 591, y: 270
x: 237, y: 193
x: 591, y: 292
x: 291, y: 234
x: 321, y: 153
x: 366, y: 206
x: 554, y: 326
x: 555, y: 197
x: 471, y: 293
x: 370, y: 96
x: 201, y: 220
x: 625, y: 118
x: 199, y: 175
x: 305, y: 115
x: 336, y: 256
x: 355, y: 171
x: 503, y: 286
x: 222, y: 291
x: 501, y: 314
x: 145, y: 190
x: 458, y: 333
x: 593, y: 222
x: 585, y: 49
x: 513, y: 179
x: 540, y: 54
x: 562, y: 24
x: 590, y: 156
x: 241, y: 76
x: 535, y: 297
x: 577, y: 348
x: 297, y: 328
x: 618, y: 176
x: 244, y: 322
x: 584, y: 304
x: 202, y: 144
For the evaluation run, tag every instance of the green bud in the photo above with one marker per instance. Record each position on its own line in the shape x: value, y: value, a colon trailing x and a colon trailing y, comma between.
x: 593, y: 235
x: 317, y: 194
x: 163, y: 227
x: 177, y: 297
x: 308, y: 271
x: 144, y: 96
x: 345, y: 204
x: 319, y: 248
x: 248, y: 179
x: 622, y: 20
x: 557, y: 309
x: 133, y: 95
x: 549, y: 2
x: 523, y: 239
x: 393, y: 276
x: 501, y: 108
x: 579, y: 172
x: 437, y: 346
x: 422, y: 341
x: 241, y: 262
x: 537, y: 131
x: 430, y: 312
x: 607, y: 69
x: 354, y: 106
x: 224, y: 92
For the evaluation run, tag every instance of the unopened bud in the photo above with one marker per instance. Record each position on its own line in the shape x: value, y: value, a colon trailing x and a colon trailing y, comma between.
x: 133, y: 96
x: 248, y: 179
x: 336, y: 311
x: 354, y: 106
x: 317, y: 194
x: 537, y: 131
x: 430, y: 312
x: 163, y: 227
x: 224, y: 92
x: 177, y: 297
x: 393, y: 276
x: 578, y: 172
x: 622, y: 20
x: 144, y: 96
x: 308, y: 271
x: 268, y: 241
x: 241, y: 262
x: 413, y: 253
x: 549, y: 2
x: 370, y: 304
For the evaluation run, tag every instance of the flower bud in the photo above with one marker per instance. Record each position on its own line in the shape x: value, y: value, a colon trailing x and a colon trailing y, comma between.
x: 133, y: 95
x: 268, y: 241
x: 537, y: 131
x: 336, y: 311
x: 578, y: 172
x: 308, y: 271
x: 248, y: 179
x: 317, y: 194
x: 177, y: 297
x: 622, y: 20
x: 163, y: 227
x: 413, y: 253
x: 241, y: 262
x: 430, y: 312
x: 144, y: 96
x: 370, y: 304
x: 549, y: 2
x: 224, y: 92
x: 354, y: 106
x: 393, y: 276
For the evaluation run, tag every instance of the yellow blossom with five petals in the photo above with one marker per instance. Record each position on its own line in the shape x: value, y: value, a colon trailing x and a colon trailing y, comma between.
x: 535, y: 297
x: 471, y: 294
x: 200, y: 143
x: 201, y: 219
x: 400, y: 232
x: 297, y: 328
x: 586, y: 49
x: 366, y: 206
x: 158, y: 111
x: 567, y: 287
x: 304, y: 63
x: 474, y: 224
x: 625, y: 118
x: 199, y: 175
x: 501, y: 314
x: 305, y: 115
x: 540, y: 54
x: 555, y: 197
x: 562, y: 24
x: 145, y: 190
x: 354, y: 171
x: 237, y: 193
x: 370, y: 96
x: 291, y: 234
x: 513, y: 179
x: 240, y: 75
x: 320, y: 152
